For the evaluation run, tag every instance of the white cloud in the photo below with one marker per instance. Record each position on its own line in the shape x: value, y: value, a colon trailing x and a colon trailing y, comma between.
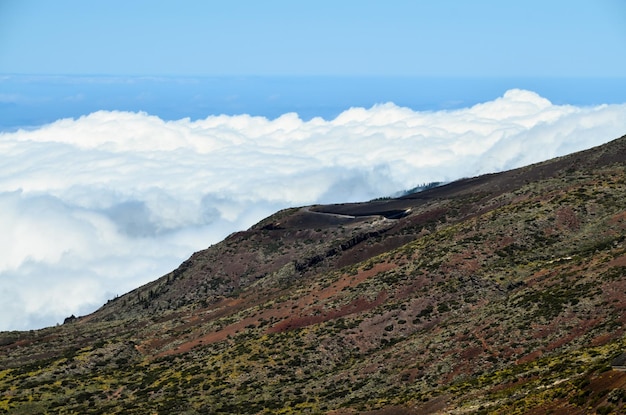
x: 96, y: 206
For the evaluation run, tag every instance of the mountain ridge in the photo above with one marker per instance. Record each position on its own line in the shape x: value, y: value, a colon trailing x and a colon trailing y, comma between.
x: 501, y: 292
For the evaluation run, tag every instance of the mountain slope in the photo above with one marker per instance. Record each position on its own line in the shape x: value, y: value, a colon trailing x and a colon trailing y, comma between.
x: 499, y: 293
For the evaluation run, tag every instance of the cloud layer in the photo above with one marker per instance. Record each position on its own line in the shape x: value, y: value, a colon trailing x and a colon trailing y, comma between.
x: 96, y: 206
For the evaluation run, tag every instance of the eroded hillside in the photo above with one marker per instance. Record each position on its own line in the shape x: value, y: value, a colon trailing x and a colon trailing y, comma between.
x: 501, y: 293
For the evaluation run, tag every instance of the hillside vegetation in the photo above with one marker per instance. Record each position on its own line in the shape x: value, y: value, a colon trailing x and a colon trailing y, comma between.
x: 497, y: 294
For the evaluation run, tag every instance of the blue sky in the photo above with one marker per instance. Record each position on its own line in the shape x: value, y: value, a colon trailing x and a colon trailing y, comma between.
x: 383, y: 38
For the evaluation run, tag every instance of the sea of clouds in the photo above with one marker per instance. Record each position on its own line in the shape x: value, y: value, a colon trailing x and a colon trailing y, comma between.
x: 93, y: 207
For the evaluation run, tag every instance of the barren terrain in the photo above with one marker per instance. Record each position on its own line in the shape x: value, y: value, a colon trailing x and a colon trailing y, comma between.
x: 502, y: 293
